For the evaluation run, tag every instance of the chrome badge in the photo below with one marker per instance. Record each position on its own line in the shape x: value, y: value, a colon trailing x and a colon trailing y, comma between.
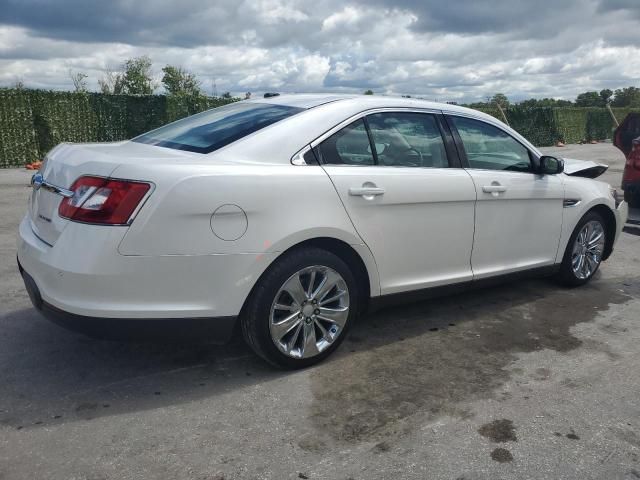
x: 37, y: 180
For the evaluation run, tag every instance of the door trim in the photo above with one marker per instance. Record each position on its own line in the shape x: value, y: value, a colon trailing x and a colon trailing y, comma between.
x: 415, y: 296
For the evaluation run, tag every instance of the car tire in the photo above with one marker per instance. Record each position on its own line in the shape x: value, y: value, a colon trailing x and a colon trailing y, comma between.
x: 271, y: 308
x: 583, y: 254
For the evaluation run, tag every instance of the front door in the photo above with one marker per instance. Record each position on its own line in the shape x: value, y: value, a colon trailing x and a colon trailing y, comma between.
x: 519, y: 211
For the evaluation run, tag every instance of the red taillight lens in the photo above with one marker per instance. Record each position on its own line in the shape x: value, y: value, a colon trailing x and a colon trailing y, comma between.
x: 103, y: 201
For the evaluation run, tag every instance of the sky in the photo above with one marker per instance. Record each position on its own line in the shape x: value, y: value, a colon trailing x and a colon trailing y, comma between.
x: 456, y: 50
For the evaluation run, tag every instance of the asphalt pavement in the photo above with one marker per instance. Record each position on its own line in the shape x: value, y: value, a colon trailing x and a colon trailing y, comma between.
x: 523, y: 380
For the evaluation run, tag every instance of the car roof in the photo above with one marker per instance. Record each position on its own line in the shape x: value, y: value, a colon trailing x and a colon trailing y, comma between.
x: 367, y: 102
x: 311, y: 100
x: 303, y: 100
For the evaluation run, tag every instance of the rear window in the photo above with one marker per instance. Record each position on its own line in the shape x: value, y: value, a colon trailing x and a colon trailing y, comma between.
x: 213, y: 129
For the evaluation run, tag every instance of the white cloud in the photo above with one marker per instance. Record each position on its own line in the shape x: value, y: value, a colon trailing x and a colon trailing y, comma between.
x: 417, y: 47
x: 274, y: 11
x: 349, y: 16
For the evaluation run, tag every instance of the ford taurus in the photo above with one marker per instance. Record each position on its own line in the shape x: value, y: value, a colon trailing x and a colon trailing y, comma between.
x: 286, y: 217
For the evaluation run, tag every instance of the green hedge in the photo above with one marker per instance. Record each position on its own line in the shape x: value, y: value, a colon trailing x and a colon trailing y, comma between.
x: 545, y: 126
x: 18, y: 141
x: 34, y: 121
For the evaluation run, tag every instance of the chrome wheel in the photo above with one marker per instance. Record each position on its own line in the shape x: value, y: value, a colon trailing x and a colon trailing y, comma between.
x: 309, y: 312
x: 587, y: 250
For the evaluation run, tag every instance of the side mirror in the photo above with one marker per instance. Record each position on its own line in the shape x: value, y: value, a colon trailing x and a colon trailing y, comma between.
x: 551, y: 165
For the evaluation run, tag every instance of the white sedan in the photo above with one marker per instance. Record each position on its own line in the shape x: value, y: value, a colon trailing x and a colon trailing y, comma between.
x: 287, y: 217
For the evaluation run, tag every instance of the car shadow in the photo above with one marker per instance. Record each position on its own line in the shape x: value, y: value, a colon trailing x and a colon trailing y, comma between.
x: 52, y: 376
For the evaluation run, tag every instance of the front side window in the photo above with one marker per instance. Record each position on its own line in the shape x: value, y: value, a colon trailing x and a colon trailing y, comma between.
x: 349, y: 146
x: 489, y: 148
x: 407, y: 139
x: 215, y: 128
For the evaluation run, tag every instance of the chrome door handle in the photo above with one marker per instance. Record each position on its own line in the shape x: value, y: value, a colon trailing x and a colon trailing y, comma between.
x: 366, y: 191
x: 494, y: 188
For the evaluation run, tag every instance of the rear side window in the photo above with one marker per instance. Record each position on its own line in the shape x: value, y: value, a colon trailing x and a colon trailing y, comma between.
x: 213, y: 129
x: 407, y: 139
x: 349, y: 146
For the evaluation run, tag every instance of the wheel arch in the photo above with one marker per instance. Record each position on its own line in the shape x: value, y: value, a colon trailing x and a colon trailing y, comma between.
x: 350, y: 256
x: 365, y: 272
x: 610, y: 226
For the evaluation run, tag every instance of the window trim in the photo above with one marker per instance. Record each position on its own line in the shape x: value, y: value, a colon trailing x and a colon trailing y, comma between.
x: 322, y: 163
x: 372, y: 144
x: 453, y: 158
x: 298, y: 157
x: 462, y: 153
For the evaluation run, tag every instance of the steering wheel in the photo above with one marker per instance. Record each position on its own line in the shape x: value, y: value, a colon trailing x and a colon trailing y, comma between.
x: 411, y: 149
x: 400, y: 160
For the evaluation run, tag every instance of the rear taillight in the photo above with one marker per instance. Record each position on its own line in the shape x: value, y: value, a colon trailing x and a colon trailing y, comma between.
x: 103, y: 201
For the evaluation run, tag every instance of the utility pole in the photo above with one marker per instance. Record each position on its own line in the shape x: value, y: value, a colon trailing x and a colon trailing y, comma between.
x: 504, y: 116
x: 615, y: 120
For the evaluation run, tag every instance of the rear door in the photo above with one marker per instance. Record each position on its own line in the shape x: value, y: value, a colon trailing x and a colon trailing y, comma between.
x: 518, y: 216
x: 414, y: 210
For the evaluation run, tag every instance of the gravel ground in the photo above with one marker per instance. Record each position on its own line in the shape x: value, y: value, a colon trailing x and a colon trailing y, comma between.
x: 525, y: 380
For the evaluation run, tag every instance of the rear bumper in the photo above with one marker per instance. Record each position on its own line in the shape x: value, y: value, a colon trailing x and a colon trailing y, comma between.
x: 84, y: 277
x: 210, y: 330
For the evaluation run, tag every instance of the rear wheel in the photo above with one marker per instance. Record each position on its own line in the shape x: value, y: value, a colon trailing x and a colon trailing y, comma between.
x: 301, y: 309
x: 584, y: 251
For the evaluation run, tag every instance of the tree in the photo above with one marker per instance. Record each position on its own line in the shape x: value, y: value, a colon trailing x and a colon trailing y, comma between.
x: 605, y: 95
x: 530, y: 103
x: 626, y: 97
x: 19, y: 83
x: 589, y: 99
x: 563, y: 103
x: 500, y: 99
x: 226, y: 95
x: 476, y: 105
x: 136, y: 78
x: 368, y: 92
x: 178, y: 81
x: 79, y: 80
x: 544, y: 102
x: 111, y: 83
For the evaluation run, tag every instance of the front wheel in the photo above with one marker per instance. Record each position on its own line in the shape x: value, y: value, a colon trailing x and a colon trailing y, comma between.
x: 301, y: 309
x: 584, y: 250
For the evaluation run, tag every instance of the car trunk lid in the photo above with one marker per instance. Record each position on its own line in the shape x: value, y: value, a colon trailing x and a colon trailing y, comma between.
x: 61, y: 167
x: 67, y: 162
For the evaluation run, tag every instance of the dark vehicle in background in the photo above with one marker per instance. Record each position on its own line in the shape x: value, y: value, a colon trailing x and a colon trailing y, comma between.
x: 627, y: 139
